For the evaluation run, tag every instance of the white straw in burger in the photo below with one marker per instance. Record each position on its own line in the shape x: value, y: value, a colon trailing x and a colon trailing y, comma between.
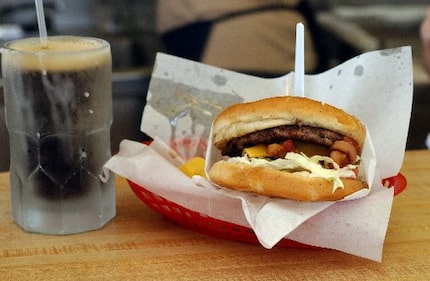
x: 299, y: 68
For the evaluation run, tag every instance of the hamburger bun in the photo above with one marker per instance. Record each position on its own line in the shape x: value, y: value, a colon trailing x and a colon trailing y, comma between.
x: 275, y: 183
x: 243, y: 118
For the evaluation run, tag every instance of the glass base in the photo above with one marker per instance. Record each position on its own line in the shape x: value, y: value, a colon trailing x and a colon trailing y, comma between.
x: 37, y: 213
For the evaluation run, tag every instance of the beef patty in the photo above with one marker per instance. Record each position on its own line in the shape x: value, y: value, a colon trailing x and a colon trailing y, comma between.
x: 279, y: 134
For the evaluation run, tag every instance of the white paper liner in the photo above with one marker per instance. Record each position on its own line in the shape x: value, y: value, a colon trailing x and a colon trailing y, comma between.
x: 376, y: 87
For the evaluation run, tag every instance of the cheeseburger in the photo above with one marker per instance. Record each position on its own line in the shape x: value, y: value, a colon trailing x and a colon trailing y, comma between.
x: 288, y: 147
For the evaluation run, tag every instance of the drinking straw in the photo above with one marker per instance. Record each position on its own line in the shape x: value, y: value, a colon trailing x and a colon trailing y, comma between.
x: 299, y: 68
x: 41, y: 21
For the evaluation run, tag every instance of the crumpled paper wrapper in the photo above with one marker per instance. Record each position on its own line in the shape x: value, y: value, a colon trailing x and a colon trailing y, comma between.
x: 183, y: 99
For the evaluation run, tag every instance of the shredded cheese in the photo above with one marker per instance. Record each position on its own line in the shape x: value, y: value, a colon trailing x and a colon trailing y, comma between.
x: 314, y: 166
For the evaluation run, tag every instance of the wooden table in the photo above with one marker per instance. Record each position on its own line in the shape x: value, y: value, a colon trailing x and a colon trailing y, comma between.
x: 139, y: 244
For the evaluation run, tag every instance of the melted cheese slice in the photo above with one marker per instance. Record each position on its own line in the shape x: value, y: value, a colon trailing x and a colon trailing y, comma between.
x: 256, y: 151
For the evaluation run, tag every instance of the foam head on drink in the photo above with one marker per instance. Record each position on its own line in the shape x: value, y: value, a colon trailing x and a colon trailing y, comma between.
x: 59, y: 112
x: 59, y: 53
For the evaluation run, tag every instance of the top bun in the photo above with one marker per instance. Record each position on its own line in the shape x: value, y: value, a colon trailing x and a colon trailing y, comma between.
x: 244, y: 118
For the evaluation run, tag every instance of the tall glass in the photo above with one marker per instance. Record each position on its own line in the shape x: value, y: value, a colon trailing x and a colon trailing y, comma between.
x: 58, y: 100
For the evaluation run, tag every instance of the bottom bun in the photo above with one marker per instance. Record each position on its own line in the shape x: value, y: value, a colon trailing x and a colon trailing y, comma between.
x: 275, y: 183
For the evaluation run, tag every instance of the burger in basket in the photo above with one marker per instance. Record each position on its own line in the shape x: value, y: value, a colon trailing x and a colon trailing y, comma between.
x: 288, y: 147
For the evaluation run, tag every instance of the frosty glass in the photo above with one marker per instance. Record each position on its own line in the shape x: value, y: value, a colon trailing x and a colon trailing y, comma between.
x: 59, y: 113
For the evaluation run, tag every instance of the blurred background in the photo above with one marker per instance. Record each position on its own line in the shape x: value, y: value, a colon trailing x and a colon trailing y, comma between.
x: 342, y: 30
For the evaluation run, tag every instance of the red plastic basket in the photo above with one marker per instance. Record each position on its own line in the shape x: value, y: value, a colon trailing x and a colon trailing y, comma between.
x: 221, y: 229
